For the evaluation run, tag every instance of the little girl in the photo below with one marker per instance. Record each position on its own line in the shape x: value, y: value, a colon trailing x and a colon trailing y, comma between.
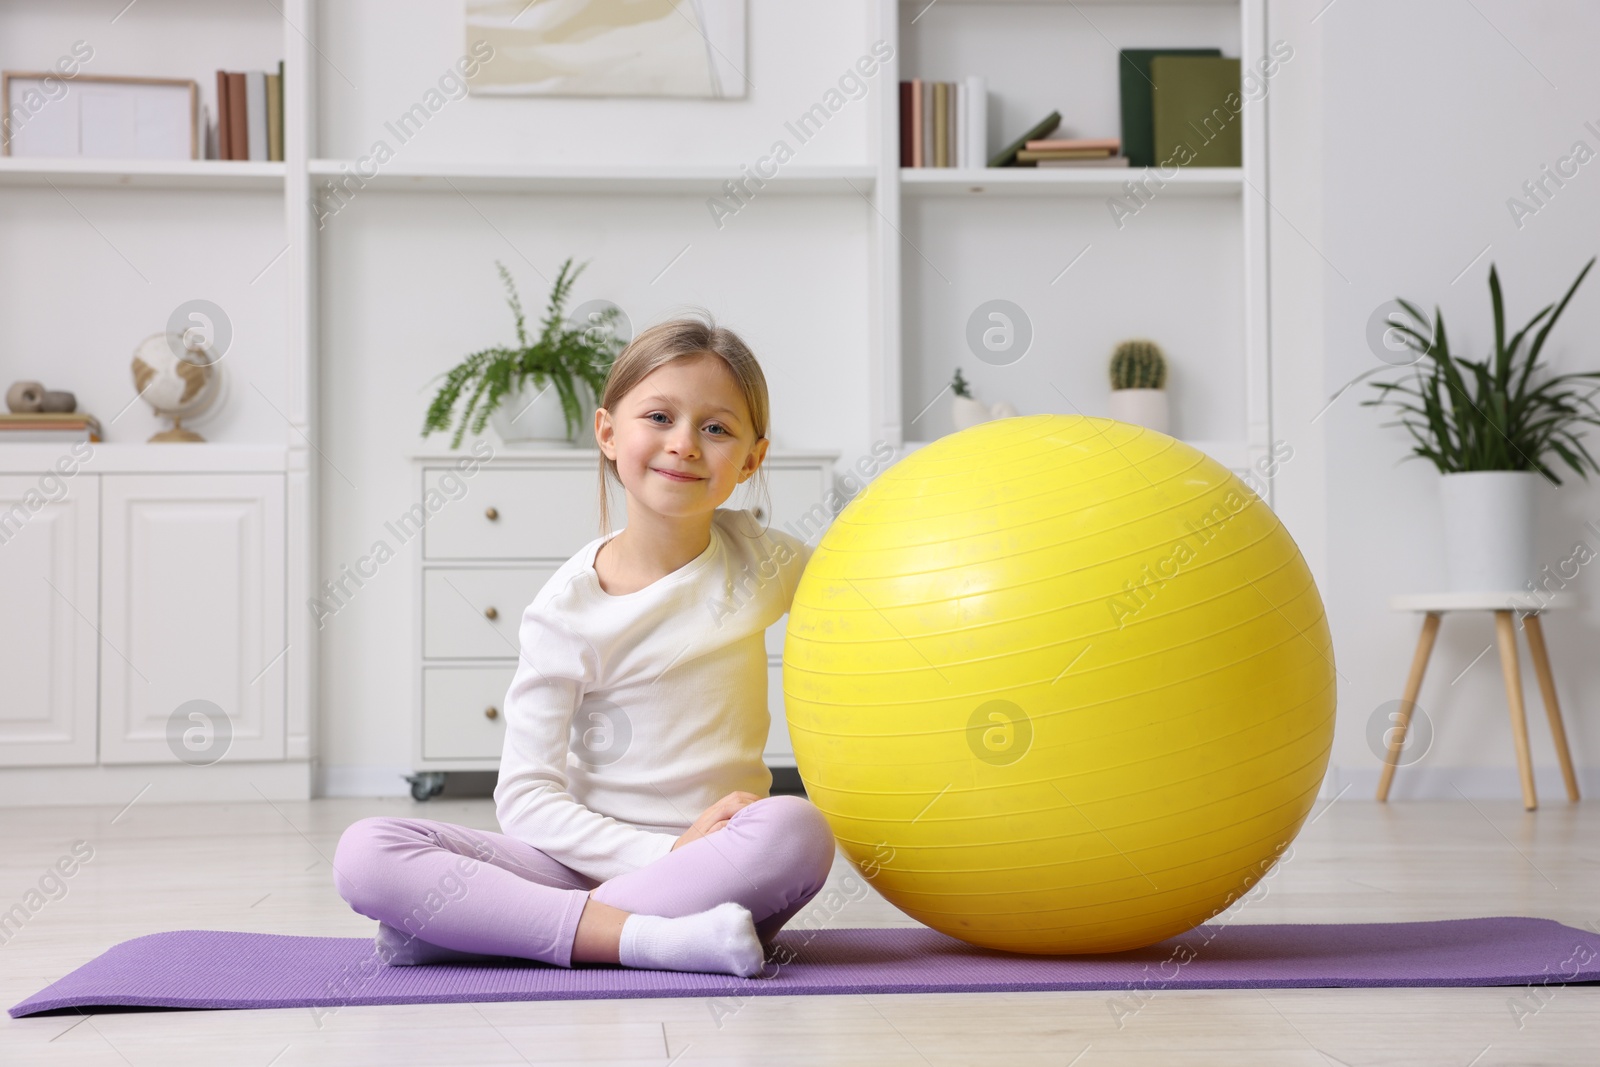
x: 639, y: 700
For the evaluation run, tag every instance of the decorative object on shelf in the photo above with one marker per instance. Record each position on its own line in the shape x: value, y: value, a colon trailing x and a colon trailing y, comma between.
x: 1490, y: 444
x: 102, y: 116
x: 25, y: 396
x: 967, y: 411
x: 510, y: 382
x: 603, y: 48
x: 59, y: 401
x: 179, y: 378
x: 1138, y: 385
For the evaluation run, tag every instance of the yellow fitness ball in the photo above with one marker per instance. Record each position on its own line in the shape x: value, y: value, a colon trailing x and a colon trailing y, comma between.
x: 1060, y: 685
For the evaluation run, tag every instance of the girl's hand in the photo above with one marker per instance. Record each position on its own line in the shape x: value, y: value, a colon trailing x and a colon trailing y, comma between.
x: 716, y: 816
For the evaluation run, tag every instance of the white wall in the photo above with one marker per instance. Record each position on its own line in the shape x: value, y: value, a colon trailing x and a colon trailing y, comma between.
x: 409, y: 288
x: 1398, y: 133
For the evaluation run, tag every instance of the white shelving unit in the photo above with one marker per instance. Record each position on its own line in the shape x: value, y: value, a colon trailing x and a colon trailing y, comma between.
x: 1190, y: 269
x: 949, y: 239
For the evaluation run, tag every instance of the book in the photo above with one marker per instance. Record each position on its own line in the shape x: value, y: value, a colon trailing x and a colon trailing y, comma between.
x: 959, y: 140
x: 1108, y: 161
x: 977, y: 98
x: 1033, y: 156
x: 40, y: 426
x: 1136, y: 86
x: 941, y: 120
x: 1190, y: 108
x: 238, y: 120
x: 1109, y: 144
x: 255, y: 106
x: 224, y: 141
x: 906, y: 145
x: 917, y: 149
x: 274, y: 118
x: 1007, y: 156
x: 281, y: 112
x: 927, y: 123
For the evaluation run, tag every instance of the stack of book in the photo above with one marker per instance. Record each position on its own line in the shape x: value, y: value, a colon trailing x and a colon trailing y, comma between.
x: 944, y: 124
x: 32, y: 427
x: 1071, y: 152
x: 250, y: 114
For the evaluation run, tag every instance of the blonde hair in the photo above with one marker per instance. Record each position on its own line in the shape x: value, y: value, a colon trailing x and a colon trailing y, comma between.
x: 689, y: 338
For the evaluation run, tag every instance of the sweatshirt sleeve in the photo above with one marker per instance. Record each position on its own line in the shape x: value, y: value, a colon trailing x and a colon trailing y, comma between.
x: 531, y: 800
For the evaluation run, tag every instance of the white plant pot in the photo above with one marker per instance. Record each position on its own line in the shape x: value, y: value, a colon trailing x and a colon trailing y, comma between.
x: 529, y: 418
x: 966, y: 412
x: 1142, y: 407
x: 1488, y: 529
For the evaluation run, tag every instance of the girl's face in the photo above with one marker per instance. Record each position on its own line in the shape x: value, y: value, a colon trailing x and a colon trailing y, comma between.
x: 687, y: 417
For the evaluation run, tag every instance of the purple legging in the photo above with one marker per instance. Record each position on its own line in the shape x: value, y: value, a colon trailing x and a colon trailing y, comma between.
x: 483, y: 892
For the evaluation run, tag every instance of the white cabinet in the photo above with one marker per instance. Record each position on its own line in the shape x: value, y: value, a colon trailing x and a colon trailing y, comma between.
x: 49, y: 588
x: 126, y: 594
x: 489, y: 548
x: 191, y: 608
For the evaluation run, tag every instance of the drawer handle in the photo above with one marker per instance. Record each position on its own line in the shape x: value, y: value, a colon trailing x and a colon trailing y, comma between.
x: 491, y: 514
x: 490, y: 613
x: 491, y: 712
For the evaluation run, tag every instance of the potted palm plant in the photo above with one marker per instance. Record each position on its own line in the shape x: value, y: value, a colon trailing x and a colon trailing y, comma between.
x: 1490, y: 435
x: 512, y: 384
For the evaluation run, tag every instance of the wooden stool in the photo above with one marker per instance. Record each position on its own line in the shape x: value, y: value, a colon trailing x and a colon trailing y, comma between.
x: 1433, y: 605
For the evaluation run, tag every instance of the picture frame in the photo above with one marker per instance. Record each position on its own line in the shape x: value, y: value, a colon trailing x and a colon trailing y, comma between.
x: 47, y: 114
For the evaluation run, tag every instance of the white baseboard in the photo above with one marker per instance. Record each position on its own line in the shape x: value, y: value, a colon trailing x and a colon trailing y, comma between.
x: 354, y: 780
x: 154, y: 783
x: 1451, y: 783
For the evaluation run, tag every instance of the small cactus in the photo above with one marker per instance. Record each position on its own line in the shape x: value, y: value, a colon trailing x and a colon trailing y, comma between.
x: 960, y: 385
x: 1138, y: 365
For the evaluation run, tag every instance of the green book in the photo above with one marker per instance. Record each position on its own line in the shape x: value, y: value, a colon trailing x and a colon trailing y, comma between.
x: 1133, y: 71
x: 1191, y: 107
x: 1007, y: 156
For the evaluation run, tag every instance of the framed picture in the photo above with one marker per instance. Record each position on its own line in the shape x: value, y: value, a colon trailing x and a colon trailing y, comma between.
x: 99, y: 116
x: 607, y: 48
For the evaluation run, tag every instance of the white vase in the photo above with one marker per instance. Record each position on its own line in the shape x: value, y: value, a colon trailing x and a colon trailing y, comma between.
x: 529, y: 418
x: 966, y: 412
x: 1488, y: 529
x: 1142, y: 407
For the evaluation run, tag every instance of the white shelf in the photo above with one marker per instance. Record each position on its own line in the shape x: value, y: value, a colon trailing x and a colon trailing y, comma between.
x: 505, y: 178
x: 143, y: 173
x: 1053, y: 181
x: 130, y: 457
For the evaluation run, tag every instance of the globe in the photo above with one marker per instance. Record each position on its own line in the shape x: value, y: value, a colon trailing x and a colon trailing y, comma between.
x: 176, y: 386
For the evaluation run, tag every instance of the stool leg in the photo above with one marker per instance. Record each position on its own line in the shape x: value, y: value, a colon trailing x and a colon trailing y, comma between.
x: 1419, y: 664
x: 1519, y: 719
x: 1547, y: 687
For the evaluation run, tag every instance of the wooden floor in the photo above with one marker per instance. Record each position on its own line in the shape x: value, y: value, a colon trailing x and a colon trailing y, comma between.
x: 264, y: 867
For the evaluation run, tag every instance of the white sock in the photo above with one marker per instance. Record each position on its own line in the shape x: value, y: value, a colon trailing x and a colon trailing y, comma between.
x: 722, y: 940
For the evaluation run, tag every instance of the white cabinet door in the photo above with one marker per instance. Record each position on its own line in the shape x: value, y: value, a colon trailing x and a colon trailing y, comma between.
x: 49, y: 601
x: 192, y: 616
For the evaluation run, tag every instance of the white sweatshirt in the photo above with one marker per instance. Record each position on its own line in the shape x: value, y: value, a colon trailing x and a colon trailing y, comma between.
x: 630, y: 715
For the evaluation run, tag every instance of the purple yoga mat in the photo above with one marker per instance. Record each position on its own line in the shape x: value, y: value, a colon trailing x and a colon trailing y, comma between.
x: 227, y: 969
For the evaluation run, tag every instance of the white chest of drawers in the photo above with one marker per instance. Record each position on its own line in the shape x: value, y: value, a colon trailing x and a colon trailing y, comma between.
x: 498, y: 529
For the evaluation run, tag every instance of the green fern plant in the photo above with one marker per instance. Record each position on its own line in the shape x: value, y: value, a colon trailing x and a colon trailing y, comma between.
x: 561, y: 354
x: 1500, y: 425
x: 1138, y: 364
x: 959, y: 384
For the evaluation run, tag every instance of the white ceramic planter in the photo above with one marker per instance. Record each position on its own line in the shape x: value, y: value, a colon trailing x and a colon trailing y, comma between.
x: 965, y: 412
x: 1142, y: 407
x: 1488, y: 529
x: 523, y: 421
